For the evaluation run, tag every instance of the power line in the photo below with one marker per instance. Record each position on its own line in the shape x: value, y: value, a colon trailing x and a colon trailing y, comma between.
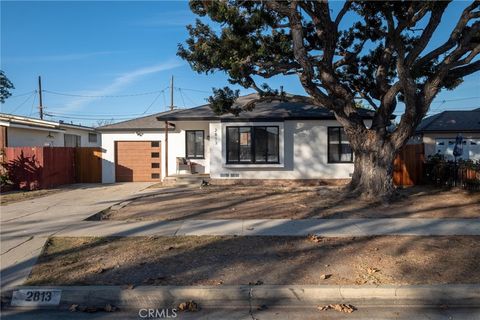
x: 85, y: 118
x: 96, y: 114
x: 195, y: 90
x: 459, y: 99
x: 21, y: 104
x: 33, y: 103
x: 154, y: 100
x: 22, y: 94
x: 103, y: 96
x: 181, y: 95
x: 193, y: 102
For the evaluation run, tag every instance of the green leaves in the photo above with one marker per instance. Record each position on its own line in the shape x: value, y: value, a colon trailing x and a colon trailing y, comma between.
x: 222, y: 101
x: 5, y: 86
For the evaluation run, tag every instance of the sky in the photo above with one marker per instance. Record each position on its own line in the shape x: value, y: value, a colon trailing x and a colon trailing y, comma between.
x: 109, y: 59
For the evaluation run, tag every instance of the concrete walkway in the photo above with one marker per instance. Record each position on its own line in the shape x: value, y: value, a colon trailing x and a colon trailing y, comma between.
x: 26, y: 225
x: 278, y: 227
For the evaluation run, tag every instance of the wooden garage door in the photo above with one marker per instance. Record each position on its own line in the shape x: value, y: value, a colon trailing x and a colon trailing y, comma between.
x: 137, y: 161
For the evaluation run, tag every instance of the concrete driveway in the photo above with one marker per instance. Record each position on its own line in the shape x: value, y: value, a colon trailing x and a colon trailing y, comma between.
x: 26, y: 225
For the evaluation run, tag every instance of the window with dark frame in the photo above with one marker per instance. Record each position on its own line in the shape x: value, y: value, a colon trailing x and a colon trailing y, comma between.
x: 194, y: 144
x: 253, y: 144
x: 92, y: 137
x: 339, y: 150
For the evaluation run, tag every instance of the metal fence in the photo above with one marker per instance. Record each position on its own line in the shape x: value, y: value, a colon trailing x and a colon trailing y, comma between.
x: 462, y: 174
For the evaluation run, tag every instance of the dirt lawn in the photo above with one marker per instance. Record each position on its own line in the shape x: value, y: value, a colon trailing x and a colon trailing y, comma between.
x: 16, y: 196
x: 209, y: 260
x: 261, y: 202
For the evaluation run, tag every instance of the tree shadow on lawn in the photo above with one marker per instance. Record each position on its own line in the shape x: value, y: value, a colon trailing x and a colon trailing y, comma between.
x: 271, y: 260
x: 217, y: 261
x: 297, y: 203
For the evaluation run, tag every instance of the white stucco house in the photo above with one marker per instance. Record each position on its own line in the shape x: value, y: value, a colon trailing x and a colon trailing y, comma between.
x: 438, y: 133
x: 276, y: 140
x: 20, y: 131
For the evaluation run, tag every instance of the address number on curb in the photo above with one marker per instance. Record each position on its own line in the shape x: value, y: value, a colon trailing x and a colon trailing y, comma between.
x: 36, y: 297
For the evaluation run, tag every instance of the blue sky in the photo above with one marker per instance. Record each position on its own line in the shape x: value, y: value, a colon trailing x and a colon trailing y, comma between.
x: 121, y: 48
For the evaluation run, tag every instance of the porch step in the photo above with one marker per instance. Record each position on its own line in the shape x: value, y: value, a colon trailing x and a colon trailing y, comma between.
x: 191, y: 180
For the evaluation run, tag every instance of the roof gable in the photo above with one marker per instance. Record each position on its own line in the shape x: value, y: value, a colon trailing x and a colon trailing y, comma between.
x: 456, y: 121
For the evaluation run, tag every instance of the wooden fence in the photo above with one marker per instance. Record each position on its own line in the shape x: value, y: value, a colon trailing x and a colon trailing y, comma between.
x: 32, y: 168
x: 88, y: 165
x: 409, y: 165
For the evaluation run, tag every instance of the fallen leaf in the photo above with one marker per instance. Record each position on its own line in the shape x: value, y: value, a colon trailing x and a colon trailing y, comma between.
x: 262, y: 307
x: 314, y: 238
x: 190, y: 306
x: 372, y: 270
x: 129, y: 286
x: 258, y: 283
x: 90, y: 309
x: 109, y: 308
x: 347, y: 308
x: 73, y: 308
x: 325, y: 276
x: 100, y: 270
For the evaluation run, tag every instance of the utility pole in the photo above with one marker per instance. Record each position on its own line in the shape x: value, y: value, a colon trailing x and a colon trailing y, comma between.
x: 40, y: 105
x: 171, y: 94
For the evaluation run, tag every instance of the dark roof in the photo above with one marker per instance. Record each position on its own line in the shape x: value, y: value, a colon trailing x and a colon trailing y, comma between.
x: 274, y: 110
x: 265, y: 111
x: 453, y: 121
x: 149, y: 122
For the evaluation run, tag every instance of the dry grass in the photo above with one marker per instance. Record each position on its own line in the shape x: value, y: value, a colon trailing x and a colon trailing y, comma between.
x: 17, y: 196
x: 256, y: 202
x: 210, y: 260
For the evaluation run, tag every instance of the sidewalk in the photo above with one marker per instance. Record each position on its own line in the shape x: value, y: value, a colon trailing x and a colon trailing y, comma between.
x: 26, y: 225
x: 277, y: 227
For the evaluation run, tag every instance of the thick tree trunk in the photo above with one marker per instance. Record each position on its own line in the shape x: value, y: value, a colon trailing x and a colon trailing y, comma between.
x: 372, y: 178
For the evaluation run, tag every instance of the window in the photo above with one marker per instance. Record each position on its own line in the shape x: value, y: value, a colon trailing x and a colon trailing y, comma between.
x: 155, y: 165
x: 155, y: 175
x: 155, y: 144
x: 253, y: 144
x: 155, y: 155
x: 92, y: 137
x: 339, y: 150
x: 194, y: 144
x: 72, y: 140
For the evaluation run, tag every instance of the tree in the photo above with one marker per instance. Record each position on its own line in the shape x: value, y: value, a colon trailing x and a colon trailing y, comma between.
x: 381, y: 57
x: 5, y: 87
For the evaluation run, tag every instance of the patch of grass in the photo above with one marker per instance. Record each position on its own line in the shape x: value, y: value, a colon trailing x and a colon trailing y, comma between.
x: 17, y: 196
x: 217, y: 260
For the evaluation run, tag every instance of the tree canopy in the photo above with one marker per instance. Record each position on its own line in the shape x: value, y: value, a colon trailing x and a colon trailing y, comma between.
x: 377, y: 52
x: 5, y: 87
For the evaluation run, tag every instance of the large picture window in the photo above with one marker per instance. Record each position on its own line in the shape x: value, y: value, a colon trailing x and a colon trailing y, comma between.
x: 258, y: 144
x: 194, y: 144
x: 339, y: 150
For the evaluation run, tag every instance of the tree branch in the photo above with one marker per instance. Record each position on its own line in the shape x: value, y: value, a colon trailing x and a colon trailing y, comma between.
x: 421, y: 43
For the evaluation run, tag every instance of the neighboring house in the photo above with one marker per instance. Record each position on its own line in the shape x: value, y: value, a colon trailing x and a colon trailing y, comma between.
x: 277, y: 140
x: 438, y: 133
x: 19, y: 131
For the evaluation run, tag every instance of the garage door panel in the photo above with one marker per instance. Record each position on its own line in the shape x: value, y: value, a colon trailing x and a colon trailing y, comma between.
x: 133, y: 161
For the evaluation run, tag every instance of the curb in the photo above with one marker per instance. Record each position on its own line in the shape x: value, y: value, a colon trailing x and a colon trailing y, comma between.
x: 243, y: 295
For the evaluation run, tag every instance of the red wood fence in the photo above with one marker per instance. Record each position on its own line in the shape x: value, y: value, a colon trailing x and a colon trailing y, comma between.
x: 409, y: 165
x: 32, y: 168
